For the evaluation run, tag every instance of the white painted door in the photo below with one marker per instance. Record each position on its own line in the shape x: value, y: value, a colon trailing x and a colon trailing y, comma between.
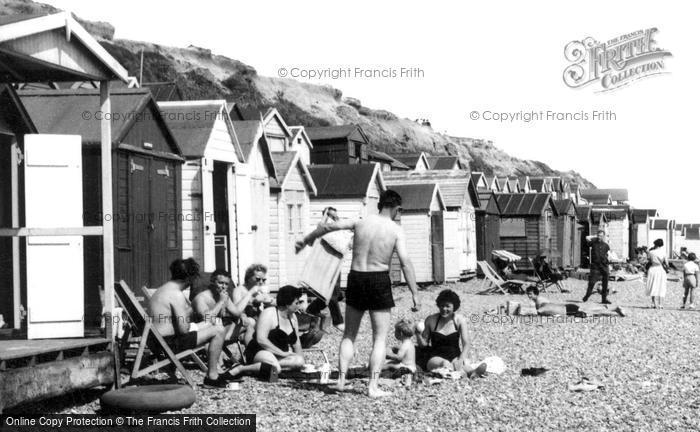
x: 244, y: 223
x: 454, y: 246
x: 208, y: 217
x: 54, y: 199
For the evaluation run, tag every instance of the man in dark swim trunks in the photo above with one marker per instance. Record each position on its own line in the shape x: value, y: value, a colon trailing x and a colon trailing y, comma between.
x: 171, y: 314
x: 376, y: 239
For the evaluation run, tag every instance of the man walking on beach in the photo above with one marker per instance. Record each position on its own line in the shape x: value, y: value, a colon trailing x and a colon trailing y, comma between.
x: 376, y: 239
x: 599, y: 265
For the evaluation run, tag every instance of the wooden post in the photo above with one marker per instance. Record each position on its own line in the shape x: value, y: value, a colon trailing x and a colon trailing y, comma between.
x: 16, y: 296
x: 107, y: 223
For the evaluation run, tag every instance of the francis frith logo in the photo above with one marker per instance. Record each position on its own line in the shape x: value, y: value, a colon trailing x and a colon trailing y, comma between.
x: 615, y: 63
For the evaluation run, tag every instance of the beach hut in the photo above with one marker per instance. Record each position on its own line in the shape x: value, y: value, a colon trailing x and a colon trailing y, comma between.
x: 301, y: 143
x: 52, y: 48
x: 488, y: 226
x: 514, y: 185
x: 478, y: 179
x: 165, y: 91
x: 692, y: 239
x: 493, y: 184
x: 575, y: 193
x: 386, y: 162
x: 290, y: 212
x: 346, y: 144
x: 525, y: 186
x: 459, y: 216
x: 147, y: 169
x: 617, y: 217
x: 528, y: 225
x: 422, y: 222
x: 353, y: 190
x: 253, y: 195
x: 639, y: 227
x: 568, y: 236
x: 415, y: 161
x: 539, y: 185
x: 209, y: 144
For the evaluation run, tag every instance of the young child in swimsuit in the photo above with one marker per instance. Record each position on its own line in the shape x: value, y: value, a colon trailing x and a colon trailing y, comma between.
x: 405, y: 356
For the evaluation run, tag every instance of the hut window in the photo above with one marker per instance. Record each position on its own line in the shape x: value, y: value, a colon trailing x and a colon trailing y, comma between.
x: 513, y: 227
x: 300, y: 227
x: 290, y: 218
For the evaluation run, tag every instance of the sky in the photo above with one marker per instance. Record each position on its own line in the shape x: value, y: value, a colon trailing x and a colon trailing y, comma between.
x: 483, y: 57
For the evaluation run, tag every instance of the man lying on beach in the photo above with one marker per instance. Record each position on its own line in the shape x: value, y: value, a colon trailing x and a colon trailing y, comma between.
x: 547, y: 307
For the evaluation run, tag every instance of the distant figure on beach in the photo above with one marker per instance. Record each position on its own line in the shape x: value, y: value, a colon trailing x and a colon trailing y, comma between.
x: 691, y: 276
x: 171, y: 314
x: 656, y: 273
x: 376, y: 239
x: 599, y: 266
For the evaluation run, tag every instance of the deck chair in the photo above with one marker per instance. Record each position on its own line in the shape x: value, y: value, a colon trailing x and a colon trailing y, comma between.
x: 494, y: 283
x: 543, y: 283
x: 152, y: 339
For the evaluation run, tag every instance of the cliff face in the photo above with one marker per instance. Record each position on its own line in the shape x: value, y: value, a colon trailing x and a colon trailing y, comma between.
x: 201, y: 74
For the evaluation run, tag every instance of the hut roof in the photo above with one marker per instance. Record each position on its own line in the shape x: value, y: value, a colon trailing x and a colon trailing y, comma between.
x: 454, y: 185
x: 345, y: 181
x: 563, y: 205
x: 661, y: 224
x: 164, y: 91
x: 323, y: 133
x: 61, y: 112
x: 583, y: 213
x: 692, y: 233
x: 537, y: 184
x: 443, y: 162
x: 410, y: 159
x: 383, y: 157
x: 284, y: 163
x: 611, y: 213
x: 519, y: 204
x: 643, y: 215
x: 418, y: 197
x: 193, y: 123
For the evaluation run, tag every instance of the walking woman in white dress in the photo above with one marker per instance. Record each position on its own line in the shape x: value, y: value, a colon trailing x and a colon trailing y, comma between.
x: 656, y: 274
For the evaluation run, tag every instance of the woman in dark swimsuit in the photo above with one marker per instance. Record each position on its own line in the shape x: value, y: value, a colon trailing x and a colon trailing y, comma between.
x: 439, y: 342
x: 275, y: 341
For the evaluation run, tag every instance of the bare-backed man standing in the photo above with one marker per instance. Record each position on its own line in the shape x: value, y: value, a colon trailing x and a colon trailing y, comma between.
x: 369, y: 285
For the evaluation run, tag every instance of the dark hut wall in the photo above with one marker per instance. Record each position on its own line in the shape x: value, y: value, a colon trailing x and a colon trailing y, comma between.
x: 527, y: 245
x: 6, y: 307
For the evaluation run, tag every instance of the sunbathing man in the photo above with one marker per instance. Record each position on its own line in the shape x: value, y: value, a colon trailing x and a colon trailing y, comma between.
x: 171, y: 317
x: 549, y: 308
x: 376, y: 239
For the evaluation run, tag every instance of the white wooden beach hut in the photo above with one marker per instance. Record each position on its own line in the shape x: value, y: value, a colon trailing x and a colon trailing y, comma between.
x: 423, y: 223
x: 207, y: 139
x: 352, y: 189
x: 290, y: 210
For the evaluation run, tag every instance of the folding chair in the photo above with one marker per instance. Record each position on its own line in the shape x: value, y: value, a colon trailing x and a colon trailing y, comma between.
x: 152, y: 339
x: 542, y: 283
x: 497, y: 283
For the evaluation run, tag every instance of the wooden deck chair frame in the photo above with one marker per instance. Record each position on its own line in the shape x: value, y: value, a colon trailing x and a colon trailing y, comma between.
x: 148, y: 293
x: 541, y: 283
x: 152, y: 339
x: 496, y: 284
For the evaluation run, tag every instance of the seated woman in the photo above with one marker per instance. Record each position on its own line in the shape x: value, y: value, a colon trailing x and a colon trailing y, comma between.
x: 439, y: 341
x: 547, y: 307
x: 275, y: 340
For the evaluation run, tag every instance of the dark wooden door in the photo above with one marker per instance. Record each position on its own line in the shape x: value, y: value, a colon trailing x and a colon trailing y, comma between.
x: 493, y: 236
x: 437, y: 244
x: 140, y: 219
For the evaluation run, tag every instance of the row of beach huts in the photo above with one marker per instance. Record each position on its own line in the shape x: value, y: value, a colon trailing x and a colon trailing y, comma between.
x: 105, y: 179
